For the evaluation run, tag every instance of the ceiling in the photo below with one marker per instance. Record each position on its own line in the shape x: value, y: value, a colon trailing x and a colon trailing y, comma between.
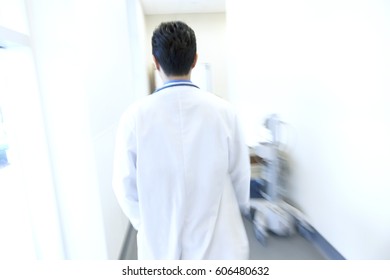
x: 152, y: 7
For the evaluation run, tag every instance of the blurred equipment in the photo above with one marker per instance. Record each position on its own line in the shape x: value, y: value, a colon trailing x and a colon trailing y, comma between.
x: 270, y: 211
x: 3, y: 142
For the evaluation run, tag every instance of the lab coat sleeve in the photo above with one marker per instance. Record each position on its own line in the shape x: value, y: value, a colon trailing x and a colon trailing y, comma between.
x: 239, y: 167
x: 124, y: 170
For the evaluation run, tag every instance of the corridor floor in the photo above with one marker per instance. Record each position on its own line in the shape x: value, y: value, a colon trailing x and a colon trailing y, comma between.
x: 294, y: 247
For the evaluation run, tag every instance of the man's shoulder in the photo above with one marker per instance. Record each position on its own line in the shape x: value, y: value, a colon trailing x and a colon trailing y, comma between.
x: 216, y: 100
x: 219, y: 103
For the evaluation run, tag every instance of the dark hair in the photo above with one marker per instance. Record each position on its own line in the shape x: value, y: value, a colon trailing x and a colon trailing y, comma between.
x: 174, y: 47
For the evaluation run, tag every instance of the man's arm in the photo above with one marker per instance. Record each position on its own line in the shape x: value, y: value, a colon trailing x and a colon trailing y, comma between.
x: 124, y: 170
x: 239, y: 167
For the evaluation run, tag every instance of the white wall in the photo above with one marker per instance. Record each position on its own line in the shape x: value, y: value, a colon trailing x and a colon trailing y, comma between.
x: 324, y: 68
x: 29, y: 213
x: 124, y: 82
x: 210, y: 31
x: 13, y: 16
x: 84, y: 57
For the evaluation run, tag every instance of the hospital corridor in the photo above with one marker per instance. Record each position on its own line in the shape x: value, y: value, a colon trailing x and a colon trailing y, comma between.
x: 302, y: 85
x: 294, y: 247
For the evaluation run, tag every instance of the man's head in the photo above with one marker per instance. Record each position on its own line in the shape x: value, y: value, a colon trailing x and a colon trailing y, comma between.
x: 174, y: 47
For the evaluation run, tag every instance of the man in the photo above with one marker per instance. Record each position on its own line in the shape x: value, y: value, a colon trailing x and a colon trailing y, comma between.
x: 181, y: 169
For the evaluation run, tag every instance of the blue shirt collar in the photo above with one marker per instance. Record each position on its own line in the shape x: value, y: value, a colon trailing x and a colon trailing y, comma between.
x: 177, y: 81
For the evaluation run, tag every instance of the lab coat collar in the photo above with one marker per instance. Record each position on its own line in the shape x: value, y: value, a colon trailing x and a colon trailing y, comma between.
x: 175, y: 83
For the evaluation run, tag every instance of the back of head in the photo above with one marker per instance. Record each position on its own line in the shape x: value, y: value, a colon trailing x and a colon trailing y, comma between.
x: 174, y: 47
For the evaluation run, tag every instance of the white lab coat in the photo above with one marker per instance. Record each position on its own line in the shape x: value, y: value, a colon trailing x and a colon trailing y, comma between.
x: 181, y: 175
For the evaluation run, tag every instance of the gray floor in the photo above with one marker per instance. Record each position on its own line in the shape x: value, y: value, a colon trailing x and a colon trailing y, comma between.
x: 294, y: 247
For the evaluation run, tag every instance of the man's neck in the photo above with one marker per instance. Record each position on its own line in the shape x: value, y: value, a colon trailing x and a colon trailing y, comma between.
x: 171, y: 78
